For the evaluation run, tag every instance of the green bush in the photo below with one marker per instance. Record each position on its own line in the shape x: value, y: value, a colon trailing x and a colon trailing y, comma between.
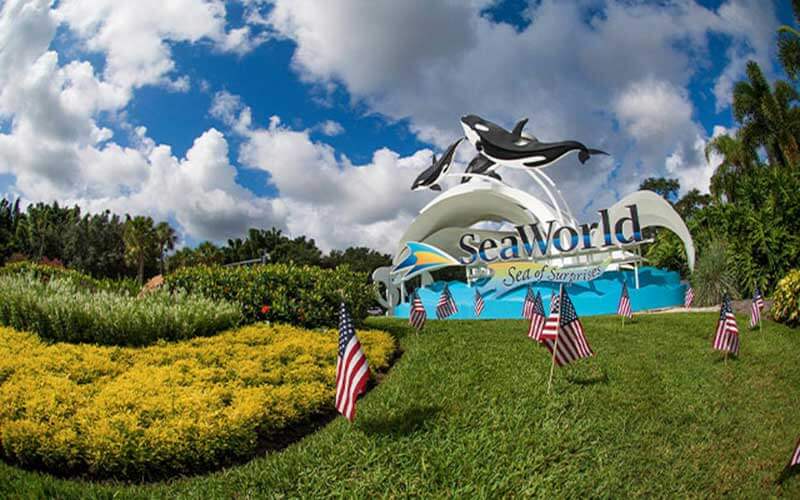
x: 46, y: 272
x: 786, y: 305
x: 713, y: 277
x: 300, y: 295
x: 59, y: 310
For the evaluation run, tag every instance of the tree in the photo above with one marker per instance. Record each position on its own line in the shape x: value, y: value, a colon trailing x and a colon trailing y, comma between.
x: 167, y: 238
x: 737, y: 158
x: 789, y: 45
x: 767, y: 117
x: 668, y: 188
x: 359, y: 259
x: 141, y: 243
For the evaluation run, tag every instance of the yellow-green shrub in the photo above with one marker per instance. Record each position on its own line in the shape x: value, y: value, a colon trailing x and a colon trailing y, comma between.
x: 786, y: 305
x: 168, y: 408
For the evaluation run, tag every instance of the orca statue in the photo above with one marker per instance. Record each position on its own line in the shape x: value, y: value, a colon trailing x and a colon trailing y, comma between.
x: 480, y: 165
x: 432, y: 175
x: 516, y: 149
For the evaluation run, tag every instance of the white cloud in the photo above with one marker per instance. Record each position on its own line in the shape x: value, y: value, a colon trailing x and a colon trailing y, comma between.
x: 330, y: 128
x: 135, y: 36
x: 631, y: 63
x: 617, y: 82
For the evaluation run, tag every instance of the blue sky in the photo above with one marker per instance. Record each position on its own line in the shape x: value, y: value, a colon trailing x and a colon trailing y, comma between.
x: 176, y: 117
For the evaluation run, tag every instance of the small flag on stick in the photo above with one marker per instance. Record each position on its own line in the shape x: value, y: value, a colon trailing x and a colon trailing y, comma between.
x: 538, y: 319
x: 755, y: 308
x: 624, y: 307
x: 447, y: 304
x: 569, y: 342
x: 479, y: 304
x: 528, y: 305
x: 727, y: 336
x: 688, y: 298
x: 417, y: 314
x: 796, y: 455
x: 352, y: 370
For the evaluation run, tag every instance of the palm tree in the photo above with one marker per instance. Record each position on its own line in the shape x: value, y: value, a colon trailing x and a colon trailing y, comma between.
x: 167, y: 238
x: 767, y: 116
x: 141, y: 242
x: 737, y: 159
x: 789, y: 45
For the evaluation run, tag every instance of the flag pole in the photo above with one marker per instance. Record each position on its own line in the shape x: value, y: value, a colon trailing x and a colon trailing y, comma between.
x: 552, y: 365
x: 555, y: 346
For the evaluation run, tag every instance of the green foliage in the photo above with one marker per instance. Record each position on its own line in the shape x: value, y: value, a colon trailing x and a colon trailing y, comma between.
x: 712, y: 278
x: 301, y: 295
x: 465, y: 414
x: 786, y: 304
x: 667, y: 188
x: 64, y: 310
x: 141, y: 243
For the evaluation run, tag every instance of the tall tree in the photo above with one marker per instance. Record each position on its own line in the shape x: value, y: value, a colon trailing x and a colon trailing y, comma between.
x: 768, y: 117
x: 167, y: 238
x: 789, y: 45
x: 668, y: 188
x: 737, y: 159
x: 141, y: 242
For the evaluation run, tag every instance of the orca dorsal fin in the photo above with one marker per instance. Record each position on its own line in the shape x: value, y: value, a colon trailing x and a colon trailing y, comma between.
x: 517, y: 132
x: 433, y: 161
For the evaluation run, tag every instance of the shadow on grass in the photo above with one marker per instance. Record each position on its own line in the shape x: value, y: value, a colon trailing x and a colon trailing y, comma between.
x: 588, y: 378
x: 787, y: 473
x: 408, y: 422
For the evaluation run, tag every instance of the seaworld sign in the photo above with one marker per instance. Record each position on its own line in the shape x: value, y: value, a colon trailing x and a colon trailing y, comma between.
x: 539, y: 239
x: 531, y: 241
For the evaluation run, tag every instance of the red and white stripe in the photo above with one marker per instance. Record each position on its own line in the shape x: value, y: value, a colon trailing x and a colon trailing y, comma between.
x: 687, y: 300
x: 572, y: 344
x: 529, y: 304
x: 352, y: 374
x: 550, y: 328
x: 479, y: 304
x: 536, y: 326
x: 755, y: 314
x: 417, y: 314
x: 624, y: 307
x: 727, y: 335
x: 796, y: 455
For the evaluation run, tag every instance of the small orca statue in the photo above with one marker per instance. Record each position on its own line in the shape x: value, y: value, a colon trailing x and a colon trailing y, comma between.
x: 516, y: 149
x: 480, y: 165
x: 431, y: 176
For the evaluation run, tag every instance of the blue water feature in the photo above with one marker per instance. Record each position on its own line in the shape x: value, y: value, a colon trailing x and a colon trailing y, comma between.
x: 657, y: 288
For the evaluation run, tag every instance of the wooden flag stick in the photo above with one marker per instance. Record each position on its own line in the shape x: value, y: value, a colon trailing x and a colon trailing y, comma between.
x: 553, y: 365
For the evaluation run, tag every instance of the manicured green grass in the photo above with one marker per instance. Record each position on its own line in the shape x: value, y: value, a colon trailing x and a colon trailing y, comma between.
x: 464, y: 413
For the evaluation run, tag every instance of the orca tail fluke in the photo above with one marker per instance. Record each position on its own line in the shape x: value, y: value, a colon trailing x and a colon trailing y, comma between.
x: 495, y: 175
x: 436, y: 187
x: 584, y: 154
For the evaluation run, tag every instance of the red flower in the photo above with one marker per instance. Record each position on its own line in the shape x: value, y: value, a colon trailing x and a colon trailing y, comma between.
x: 265, y: 309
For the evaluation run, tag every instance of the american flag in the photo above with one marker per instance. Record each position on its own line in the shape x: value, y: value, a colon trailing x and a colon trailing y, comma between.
x: 447, y: 304
x: 796, y: 455
x: 528, y: 305
x: 479, y: 304
x: 417, y: 314
x: 570, y: 342
x: 756, y: 307
x: 538, y: 319
x: 687, y: 300
x: 727, y: 336
x: 624, y: 308
x: 550, y: 328
x: 352, y: 370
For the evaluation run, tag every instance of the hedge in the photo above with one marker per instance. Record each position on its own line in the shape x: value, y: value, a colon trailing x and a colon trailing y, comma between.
x: 46, y: 272
x: 306, y: 296
x: 59, y: 310
x: 152, y: 412
x: 786, y: 300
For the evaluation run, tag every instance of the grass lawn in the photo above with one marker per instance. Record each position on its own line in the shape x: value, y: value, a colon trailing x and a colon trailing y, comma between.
x: 464, y: 413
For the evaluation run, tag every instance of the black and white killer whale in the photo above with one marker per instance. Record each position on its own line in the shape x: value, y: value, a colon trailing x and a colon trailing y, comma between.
x: 432, y: 175
x: 514, y: 149
x: 480, y: 165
